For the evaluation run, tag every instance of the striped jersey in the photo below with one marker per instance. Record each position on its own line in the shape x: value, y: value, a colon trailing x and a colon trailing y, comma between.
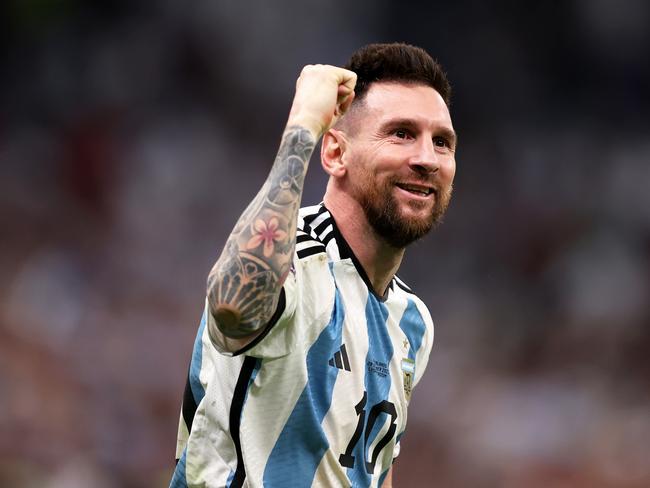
x: 320, y: 397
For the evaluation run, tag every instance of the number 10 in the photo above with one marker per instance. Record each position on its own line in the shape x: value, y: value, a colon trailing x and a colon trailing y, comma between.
x: 347, y: 459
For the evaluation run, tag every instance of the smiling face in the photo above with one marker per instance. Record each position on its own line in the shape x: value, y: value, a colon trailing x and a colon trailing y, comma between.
x: 400, y: 159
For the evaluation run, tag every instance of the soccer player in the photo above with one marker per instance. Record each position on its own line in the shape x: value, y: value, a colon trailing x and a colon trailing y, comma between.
x: 310, y: 346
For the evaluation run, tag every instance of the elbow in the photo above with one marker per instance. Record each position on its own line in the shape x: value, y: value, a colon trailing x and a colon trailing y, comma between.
x: 224, y: 329
x: 240, y: 311
x: 230, y: 320
x: 227, y: 316
x: 239, y: 308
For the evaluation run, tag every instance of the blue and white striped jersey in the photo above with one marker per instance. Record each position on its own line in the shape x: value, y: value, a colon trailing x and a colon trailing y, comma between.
x: 320, y: 398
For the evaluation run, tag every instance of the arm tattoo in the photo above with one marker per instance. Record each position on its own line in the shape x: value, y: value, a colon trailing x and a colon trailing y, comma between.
x: 247, y: 278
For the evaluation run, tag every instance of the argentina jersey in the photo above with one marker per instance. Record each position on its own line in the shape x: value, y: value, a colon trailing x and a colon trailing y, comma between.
x: 320, y: 397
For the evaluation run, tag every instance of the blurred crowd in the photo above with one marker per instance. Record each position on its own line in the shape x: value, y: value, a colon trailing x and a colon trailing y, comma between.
x: 132, y: 134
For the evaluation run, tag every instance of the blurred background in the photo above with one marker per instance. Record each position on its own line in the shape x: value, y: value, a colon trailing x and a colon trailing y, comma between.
x: 132, y: 135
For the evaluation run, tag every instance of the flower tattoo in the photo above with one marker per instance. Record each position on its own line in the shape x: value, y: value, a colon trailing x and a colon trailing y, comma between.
x: 267, y: 233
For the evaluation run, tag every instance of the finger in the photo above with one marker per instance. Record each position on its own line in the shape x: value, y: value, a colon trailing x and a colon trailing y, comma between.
x: 345, y: 105
x: 347, y: 82
x: 343, y: 93
x: 348, y: 78
x: 344, y: 90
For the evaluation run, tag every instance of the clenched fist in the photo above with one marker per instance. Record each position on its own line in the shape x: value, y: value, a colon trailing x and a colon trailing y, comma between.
x: 323, y: 94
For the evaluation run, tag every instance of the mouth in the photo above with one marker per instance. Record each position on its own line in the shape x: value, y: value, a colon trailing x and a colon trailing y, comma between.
x: 421, y: 191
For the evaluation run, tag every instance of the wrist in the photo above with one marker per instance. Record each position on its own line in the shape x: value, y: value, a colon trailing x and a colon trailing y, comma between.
x: 312, y: 124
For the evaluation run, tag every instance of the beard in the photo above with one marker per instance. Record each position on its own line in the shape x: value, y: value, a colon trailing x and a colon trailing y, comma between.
x: 386, y: 218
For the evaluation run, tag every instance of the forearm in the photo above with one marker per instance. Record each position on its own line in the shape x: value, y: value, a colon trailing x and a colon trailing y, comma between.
x: 244, y: 284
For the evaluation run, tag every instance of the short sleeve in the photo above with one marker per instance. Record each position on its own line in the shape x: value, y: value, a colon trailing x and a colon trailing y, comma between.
x: 306, y: 301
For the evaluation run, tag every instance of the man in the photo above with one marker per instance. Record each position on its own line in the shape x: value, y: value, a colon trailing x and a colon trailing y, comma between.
x: 309, y: 345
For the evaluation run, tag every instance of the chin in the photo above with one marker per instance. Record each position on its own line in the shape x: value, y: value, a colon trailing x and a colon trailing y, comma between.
x: 417, y: 211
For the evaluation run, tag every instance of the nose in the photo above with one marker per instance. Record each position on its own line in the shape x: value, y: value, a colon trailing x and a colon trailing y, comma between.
x: 425, y: 159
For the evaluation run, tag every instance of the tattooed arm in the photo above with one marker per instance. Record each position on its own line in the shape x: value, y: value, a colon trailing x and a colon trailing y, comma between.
x: 245, y: 283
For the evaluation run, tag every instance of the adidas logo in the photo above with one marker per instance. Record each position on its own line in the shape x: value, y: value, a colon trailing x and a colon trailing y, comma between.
x: 340, y: 359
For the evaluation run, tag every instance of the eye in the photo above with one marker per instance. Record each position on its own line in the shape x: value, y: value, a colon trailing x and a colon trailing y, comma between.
x: 441, y: 142
x: 401, y: 133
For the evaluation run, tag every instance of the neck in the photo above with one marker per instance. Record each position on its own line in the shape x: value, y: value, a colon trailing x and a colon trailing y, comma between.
x: 379, y: 260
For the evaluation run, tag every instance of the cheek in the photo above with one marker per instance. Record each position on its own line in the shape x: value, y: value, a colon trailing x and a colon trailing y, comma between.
x: 448, y: 170
x: 373, y: 166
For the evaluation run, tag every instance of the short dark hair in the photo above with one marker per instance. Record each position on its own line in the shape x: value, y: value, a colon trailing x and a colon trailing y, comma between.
x: 397, y: 62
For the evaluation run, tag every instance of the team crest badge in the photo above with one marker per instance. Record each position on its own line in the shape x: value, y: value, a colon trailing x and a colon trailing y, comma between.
x: 408, y: 371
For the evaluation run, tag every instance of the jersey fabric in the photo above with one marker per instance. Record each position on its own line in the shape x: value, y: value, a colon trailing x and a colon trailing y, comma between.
x: 320, y: 397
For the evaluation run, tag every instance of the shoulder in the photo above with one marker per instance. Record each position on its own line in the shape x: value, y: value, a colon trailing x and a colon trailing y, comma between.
x: 314, y: 224
x: 406, y: 290
x: 415, y: 303
x: 307, y: 245
x: 401, y: 285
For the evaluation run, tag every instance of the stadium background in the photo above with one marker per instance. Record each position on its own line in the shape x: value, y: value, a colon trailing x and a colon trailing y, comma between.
x: 132, y: 134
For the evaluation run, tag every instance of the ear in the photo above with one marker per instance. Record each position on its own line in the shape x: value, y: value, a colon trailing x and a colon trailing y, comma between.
x: 332, y: 152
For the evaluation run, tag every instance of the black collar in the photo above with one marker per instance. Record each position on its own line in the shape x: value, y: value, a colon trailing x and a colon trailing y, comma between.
x: 345, y: 251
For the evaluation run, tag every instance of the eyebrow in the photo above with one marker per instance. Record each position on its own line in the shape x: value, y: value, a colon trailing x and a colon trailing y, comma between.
x: 445, y: 132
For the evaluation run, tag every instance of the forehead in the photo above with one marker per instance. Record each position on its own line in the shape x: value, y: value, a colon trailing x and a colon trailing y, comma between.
x: 420, y: 103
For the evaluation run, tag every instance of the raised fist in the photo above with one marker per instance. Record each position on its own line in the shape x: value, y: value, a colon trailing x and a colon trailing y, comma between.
x: 323, y: 94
